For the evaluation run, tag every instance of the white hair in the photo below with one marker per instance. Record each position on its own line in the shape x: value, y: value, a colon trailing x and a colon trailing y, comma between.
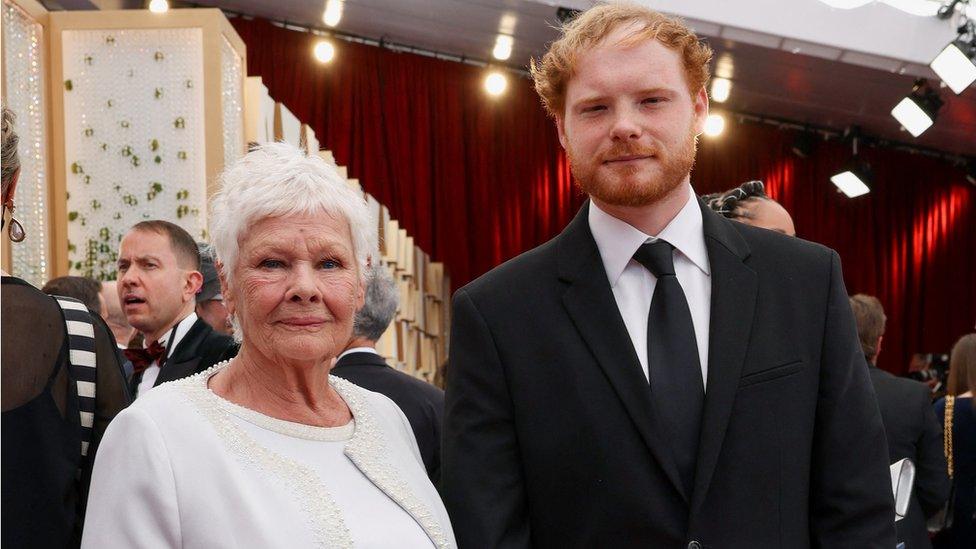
x: 278, y: 180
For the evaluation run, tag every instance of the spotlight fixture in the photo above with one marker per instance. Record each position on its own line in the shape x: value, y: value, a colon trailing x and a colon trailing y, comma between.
x: 917, y: 112
x: 804, y: 143
x: 495, y: 83
x: 854, y: 179
x: 714, y: 125
x: 324, y: 51
x: 158, y: 6
x: 333, y: 13
x: 956, y: 64
x: 971, y: 171
x: 503, y: 47
x: 720, y: 89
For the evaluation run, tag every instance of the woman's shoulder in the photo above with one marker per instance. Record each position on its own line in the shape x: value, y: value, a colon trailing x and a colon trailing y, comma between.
x: 365, y: 402
x: 170, y: 400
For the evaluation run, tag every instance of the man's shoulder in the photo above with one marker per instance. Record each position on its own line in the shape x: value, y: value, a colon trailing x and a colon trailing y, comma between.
x: 389, y: 381
x: 515, y: 273
x: 901, y: 390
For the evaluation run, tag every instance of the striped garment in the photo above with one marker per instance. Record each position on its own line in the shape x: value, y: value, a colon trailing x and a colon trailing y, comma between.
x: 81, y: 361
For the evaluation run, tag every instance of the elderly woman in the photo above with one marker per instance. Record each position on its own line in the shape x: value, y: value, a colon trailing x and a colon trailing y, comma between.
x: 268, y: 449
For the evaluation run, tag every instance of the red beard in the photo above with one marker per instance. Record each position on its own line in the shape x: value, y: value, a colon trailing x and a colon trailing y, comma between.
x: 634, y: 185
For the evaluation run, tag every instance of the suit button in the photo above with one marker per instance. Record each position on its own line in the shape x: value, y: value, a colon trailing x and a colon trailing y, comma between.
x: 694, y: 545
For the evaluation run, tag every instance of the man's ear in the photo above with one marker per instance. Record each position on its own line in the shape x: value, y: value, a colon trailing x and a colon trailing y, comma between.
x: 561, y: 130
x: 194, y: 281
x: 700, y: 106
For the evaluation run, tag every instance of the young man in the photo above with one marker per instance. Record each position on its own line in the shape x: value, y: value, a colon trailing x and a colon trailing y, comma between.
x: 657, y: 375
x: 159, y: 276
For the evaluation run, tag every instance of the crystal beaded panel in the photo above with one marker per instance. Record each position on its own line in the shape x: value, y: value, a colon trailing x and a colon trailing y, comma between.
x: 134, y: 138
x: 232, y: 98
x: 24, y: 77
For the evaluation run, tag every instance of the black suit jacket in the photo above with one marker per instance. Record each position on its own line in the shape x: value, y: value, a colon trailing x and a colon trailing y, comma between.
x: 199, y: 349
x: 550, y: 439
x: 913, y: 432
x: 421, y: 402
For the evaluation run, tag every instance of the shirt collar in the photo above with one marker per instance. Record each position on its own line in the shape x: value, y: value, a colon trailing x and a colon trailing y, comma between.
x: 357, y: 350
x: 182, y: 327
x: 618, y: 240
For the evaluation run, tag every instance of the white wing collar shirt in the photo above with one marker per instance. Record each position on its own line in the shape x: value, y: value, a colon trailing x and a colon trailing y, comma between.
x: 152, y: 371
x: 633, y: 285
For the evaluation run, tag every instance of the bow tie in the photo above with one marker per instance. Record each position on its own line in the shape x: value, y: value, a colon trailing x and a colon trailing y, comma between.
x: 142, y: 358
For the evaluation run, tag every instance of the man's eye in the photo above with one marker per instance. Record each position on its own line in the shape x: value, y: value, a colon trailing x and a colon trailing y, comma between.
x: 653, y: 100
x: 593, y: 108
x: 330, y: 264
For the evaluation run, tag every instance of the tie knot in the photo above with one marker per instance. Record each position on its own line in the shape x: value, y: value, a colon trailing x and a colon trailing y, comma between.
x: 657, y: 257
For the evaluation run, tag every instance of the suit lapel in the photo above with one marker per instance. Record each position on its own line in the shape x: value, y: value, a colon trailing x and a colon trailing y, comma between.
x: 593, y: 309
x: 185, y: 357
x: 733, y: 302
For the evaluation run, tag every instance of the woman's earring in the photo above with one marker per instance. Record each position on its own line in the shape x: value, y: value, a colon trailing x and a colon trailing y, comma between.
x: 16, y: 230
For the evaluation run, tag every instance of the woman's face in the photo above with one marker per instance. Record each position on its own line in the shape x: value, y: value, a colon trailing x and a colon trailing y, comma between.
x: 296, y: 287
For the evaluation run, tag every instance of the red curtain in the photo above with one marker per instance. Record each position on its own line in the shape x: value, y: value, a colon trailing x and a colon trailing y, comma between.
x: 477, y: 181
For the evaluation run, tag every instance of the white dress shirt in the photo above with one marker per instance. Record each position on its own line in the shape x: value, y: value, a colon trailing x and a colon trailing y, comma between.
x: 633, y: 285
x: 151, y: 372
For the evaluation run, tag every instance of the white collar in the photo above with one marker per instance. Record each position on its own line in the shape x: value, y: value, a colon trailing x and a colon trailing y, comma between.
x: 618, y: 240
x: 182, y: 327
x: 357, y: 350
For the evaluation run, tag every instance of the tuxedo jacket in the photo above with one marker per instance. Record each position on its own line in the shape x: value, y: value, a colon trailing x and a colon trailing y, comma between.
x: 913, y: 432
x: 421, y: 402
x: 200, y: 348
x: 550, y: 439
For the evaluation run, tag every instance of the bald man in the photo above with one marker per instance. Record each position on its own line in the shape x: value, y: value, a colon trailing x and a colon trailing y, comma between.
x: 748, y: 203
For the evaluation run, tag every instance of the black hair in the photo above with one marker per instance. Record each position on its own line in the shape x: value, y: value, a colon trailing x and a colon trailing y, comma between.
x: 728, y: 203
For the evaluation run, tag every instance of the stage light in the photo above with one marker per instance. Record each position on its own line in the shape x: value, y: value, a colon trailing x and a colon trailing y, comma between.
x: 159, y: 6
x: 333, y: 13
x: 495, y: 83
x: 721, y: 87
x: 971, y: 171
x: 854, y: 180
x: 956, y: 65
x: 804, y: 143
x: 850, y: 183
x: 714, y: 125
x: 917, y: 112
x: 503, y: 47
x: 324, y: 51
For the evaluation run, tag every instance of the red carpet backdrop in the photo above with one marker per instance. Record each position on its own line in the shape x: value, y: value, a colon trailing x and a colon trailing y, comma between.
x: 479, y: 180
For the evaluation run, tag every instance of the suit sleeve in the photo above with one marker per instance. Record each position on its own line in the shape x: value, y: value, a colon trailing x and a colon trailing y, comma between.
x: 851, y: 496
x: 931, y: 477
x: 132, y: 503
x: 481, y: 476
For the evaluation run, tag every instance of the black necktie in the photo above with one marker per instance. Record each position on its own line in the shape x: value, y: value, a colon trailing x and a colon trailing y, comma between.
x: 672, y: 360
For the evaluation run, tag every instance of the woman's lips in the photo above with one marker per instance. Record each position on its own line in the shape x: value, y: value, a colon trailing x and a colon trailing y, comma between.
x: 302, y: 321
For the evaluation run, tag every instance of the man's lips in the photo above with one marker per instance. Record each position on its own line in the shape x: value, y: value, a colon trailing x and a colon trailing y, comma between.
x: 627, y: 158
x: 132, y: 301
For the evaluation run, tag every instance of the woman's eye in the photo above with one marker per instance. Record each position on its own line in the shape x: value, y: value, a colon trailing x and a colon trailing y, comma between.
x: 271, y: 264
x: 593, y: 108
x: 330, y: 264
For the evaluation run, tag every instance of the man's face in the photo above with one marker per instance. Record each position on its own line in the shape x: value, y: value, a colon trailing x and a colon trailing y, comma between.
x: 629, y: 125
x: 153, y: 288
x: 214, y: 313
